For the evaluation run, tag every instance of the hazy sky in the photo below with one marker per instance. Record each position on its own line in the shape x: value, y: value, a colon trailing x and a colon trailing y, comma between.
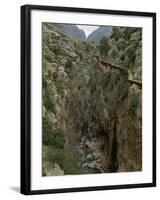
x: 87, y: 29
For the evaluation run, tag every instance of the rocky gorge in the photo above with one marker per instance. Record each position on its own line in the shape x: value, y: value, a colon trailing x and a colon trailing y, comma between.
x: 92, y: 101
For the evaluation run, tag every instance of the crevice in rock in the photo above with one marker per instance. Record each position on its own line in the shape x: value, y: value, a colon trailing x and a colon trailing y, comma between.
x: 113, y: 167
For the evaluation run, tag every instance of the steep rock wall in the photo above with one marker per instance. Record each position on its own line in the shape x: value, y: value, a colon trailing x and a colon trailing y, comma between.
x: 116, y: 115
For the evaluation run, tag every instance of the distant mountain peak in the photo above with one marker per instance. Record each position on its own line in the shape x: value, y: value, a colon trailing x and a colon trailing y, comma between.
x: 99, y: 33
x: 70, y: 30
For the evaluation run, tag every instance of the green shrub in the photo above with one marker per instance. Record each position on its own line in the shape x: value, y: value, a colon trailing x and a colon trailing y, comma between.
x: 134, y: 103
x: 128, y: 31
x: 116, y: 33
x: 79, y: 53
x: 113, y: 53
x: 68, y: 64
x: 48, y: 57
x: 121, y: 44
x: 47, y: 128
x: 70, y: 164
x: 130, y: 53
x: 63, y: 158
x: 60, y: 87
x: 122, y: 57
x: 44, y: 83
x: 58, y: 140
x: 104, y: 46
x: 48, y: 101
x: 52, y: 136
x: 55, y: 155
x: 69, y: 68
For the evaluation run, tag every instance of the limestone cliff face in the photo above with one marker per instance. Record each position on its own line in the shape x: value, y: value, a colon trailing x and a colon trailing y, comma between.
x: 91, y: 113
x: 70, y: 30
x: 117, y: 120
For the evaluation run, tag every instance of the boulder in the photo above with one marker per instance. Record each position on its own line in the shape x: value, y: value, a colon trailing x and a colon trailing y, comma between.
x: 57, y: 170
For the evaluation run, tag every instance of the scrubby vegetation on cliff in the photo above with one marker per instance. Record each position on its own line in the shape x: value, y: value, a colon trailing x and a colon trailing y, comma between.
x: 91, y: 109
x: 124, y: 48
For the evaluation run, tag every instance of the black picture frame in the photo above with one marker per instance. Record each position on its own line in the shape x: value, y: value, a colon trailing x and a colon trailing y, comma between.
x: 26, y: 98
